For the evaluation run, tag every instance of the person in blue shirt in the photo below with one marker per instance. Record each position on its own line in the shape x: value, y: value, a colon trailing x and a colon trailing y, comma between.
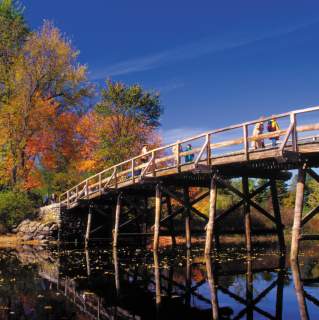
x: 189, y: 157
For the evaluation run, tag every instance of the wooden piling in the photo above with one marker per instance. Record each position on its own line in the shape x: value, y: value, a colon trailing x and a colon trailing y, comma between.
x: 88, y: 265
x: 188, y: 284
x: 249, y: 288
x: 157, y: 277
x: 117, y: 219
x: 88, y: 227
x: 296, y: 229
x: 212, y: 286
x: 158, y: 209
x: 187, y: 219
x: 247, y: 217
x: 303, y: 311
x: 277, y: 214
x: 212, y: 214
x: 171, y: 221
x: 116, y: 271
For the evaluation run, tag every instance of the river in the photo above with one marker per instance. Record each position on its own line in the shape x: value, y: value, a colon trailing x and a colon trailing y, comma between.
x: 68, y: 282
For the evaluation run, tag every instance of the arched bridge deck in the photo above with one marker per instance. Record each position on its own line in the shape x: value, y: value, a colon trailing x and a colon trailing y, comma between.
x: 211, y: 157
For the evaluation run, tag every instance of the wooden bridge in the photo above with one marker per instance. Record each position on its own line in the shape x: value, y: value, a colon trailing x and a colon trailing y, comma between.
x: 215, y: 157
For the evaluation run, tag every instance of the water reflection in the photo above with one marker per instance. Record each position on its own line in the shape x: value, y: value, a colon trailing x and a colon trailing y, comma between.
x: 71, y: 283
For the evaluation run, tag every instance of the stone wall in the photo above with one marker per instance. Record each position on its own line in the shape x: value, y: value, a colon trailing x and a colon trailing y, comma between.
x: 45, y: 227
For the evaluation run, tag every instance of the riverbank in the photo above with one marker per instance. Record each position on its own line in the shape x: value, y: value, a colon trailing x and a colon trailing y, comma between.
x: 7, y: 241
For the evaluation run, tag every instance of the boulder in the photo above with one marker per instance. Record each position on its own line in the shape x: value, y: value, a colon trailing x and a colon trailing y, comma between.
x: 27, y: 237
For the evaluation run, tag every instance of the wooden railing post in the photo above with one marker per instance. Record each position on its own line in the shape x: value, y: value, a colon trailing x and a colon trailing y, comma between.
x: 115, y: 178
x: 132, y: 170
x: 246, y: 143
x: 153, y: 163
x: 208, y: 137
x: 100, y: 182
x: 294, y: 136
x: 77, y: 192
x: 178, y: 160
x: 68, y: 198
x: 86, y: 187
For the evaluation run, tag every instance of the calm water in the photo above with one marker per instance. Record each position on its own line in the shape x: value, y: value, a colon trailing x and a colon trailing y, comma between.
x: 71, y: 283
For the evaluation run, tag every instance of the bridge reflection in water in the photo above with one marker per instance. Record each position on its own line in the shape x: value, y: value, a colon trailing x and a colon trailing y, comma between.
x: 134, y: 284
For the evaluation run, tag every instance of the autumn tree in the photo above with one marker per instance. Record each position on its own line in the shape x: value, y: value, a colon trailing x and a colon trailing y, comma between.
x: 13, y: 32
x: 48, y: 85
x: 128, y: 117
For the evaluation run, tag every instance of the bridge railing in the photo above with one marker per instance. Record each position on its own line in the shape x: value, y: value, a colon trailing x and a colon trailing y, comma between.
x: 204, y: 148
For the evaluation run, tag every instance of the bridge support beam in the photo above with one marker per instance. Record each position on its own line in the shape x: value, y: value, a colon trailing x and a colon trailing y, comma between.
x: 247, y: 217
x: 158, y: 209
x: 117, y: 219
x: 171, y: 221
x: 212, y: 215
x: 296, y: 229
x: 88, y: 227
x: 187, y: 214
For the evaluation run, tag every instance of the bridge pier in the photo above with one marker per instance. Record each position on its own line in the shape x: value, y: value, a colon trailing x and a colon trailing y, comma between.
x: 117, y: 219
x: 88, y: 226
x: 158, y: 209
x: 299, y: 219
x: 212, y: 215
x: 247, y: 217
x: 187, y: 215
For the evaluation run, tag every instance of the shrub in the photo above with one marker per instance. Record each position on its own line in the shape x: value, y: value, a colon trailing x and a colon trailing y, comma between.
x: 14, y: 207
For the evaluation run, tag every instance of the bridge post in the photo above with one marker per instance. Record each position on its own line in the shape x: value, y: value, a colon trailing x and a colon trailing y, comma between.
x: 171, y: 221
x: 88, y: 226
x: 296, y: 229
x: 303, y: 310
x: 117, y: 219
x: 211, y: 279
x: 158, y: 209
x: 247, y: 217
x: 187, y: 219
x: 212, y: 214
x: 276, y: 208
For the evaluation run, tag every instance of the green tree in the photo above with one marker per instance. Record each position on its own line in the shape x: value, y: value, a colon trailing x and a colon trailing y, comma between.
x: 131, y: 115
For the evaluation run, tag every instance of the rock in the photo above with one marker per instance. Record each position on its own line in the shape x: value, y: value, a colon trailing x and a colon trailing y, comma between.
x: 40, y: 237
x: 54, y: 227
x: 27, y: 237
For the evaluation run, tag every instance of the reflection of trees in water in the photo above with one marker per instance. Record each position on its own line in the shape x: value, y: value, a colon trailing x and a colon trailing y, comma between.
x: 130, y: 282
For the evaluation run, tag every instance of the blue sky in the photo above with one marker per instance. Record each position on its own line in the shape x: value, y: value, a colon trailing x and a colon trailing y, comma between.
x: 215, y: 63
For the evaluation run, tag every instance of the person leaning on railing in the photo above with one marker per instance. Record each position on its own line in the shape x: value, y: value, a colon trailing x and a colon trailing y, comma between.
x: 258, y: 130
x: 273, y: 126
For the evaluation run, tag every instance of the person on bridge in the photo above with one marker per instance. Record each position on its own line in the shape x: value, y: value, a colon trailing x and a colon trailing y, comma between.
x: 189, y: 157
x: 273, y: 126
x: 144, y: 152
x: 258, y: 130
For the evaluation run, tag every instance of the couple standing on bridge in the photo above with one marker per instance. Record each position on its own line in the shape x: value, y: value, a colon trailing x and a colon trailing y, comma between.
x: 272, y: 126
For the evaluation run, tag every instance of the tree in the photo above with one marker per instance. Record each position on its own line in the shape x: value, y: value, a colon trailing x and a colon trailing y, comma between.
x: 49, y: 86
x: 13, y: 32
x: 129, y: 117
